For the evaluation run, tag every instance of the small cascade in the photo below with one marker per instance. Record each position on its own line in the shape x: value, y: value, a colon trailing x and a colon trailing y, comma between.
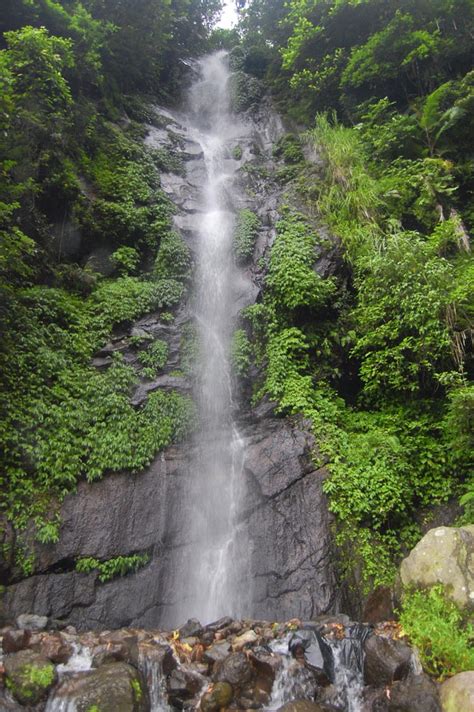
x: 79, y: 662
x: 311, y: 660
x: 151, y: 667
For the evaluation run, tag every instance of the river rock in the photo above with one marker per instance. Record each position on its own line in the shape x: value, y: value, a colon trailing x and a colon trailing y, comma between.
x: 55, y: 647
x: 29, y: 621
x: 192, y: 628
x: 235, y: 669
x: 29, y: 676
x: 183, y: 684
x: 379, y: 606
x: 417, y: 693
x: 385, y: 660
x: 457, y: 693
x: 246, y: 638
x: 15, y: 640
x: 219, y: 696
x: 116, y: 687
x: 301, y: 706
x: 444, y: 556
x: 217, y: 652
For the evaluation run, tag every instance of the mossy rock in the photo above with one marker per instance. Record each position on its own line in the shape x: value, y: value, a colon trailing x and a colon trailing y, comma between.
x: 115, y: 687
x: 444, y: 556
x: 29, y: 676
x: 457, y: 693
x: 219, y: 697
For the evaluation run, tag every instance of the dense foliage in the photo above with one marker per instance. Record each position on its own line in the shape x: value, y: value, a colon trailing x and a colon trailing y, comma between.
x: 439, y: 630
x: 379, y: 355
x: 82, y: 221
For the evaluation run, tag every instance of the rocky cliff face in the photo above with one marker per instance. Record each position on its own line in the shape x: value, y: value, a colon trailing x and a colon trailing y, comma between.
x: 286, y: 511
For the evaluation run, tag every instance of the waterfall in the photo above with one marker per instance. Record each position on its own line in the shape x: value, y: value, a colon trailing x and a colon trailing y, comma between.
x: 213, y: 576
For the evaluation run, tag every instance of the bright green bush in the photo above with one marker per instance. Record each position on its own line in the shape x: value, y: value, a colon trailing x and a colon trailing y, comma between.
x: 245, y: 235
x: 439, y: 631
x: 125, y: 259
x: 241, y: 352
x: 119, y: 566
x: 155, y: 355
x: 292, y: 280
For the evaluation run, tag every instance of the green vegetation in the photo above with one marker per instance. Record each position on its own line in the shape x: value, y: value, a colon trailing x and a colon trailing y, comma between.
x: 241, y: 353
x: 119, y: 566
x: 378, y: 356
x: 82, y: 215
x: 137, y: 690
x: 245, y: 236
x: 155, y: 356
x: 442, y: 636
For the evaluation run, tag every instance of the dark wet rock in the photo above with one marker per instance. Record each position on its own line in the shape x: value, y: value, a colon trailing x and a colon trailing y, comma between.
x: 219, y: 696
x: 15, y: 640
x: 55, y: 647
x: 386, y: 660
x: 235, y: 669
x: 217, y: 652
x: 29, y: 676
x: 161, y: 655
x: 30, y: 621
x: 99, y: 261
x: 457, y: 693
x: 417, y: 693
x: 310, y: 646
x: 116, y: 687
x: 301, y: 706
x: 266, y: 665
x: 116, y: 646
x: 220, y: 624
x: 191, y: 628
x: 379, y: 606
x: 183, y: 684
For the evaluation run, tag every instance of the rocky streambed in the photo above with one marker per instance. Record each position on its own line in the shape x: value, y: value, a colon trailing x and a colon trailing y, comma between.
x: 325, y: 665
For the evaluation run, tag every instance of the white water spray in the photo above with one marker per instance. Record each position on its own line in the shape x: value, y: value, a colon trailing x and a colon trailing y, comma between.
x: 214, y: 578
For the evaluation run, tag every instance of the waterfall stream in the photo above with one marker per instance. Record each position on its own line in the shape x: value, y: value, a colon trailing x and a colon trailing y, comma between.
x: 213, y: 579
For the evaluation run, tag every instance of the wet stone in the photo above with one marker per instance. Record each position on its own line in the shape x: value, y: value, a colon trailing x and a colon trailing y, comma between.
x: 192, y: 628
x: 217, y: 697
x: 235, y: 669
x: 55, y: 647
x: 386, y: 660
x: 29, y: 621
x: 15, y: 640
x: 29, y: 676
x: 217, y: 652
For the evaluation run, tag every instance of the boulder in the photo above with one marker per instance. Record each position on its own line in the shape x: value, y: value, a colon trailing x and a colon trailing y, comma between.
x: 55, y: 647
x: 29, y: 676
x: 385, y: 660
x: 15, y: 640
x: 217, y: 652
x: 310, y: 647
x: 301, y: 706
x: 192, y: 628
x: 379, y: 606
x: 217, y: 697
x: 29, y: 621
x: 117, y: 687
x: 235, y: 669
x: 417, y: 693
x: 444, y: 556
x: 183, y: 684
x: 246, y: 638
x: 458, y: 692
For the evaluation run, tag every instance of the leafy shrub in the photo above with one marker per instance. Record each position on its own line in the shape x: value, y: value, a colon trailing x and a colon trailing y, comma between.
x: 155, y: 356
x: 241, y: 352
x: 437, y: 628
x: 246, y: 231
x: 119, y: 566
x: 291, y: 279
x: 125, y: 259
x: 173, y: 260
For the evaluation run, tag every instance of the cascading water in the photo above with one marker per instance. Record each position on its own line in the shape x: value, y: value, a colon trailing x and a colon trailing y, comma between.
x: 213, y: 578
